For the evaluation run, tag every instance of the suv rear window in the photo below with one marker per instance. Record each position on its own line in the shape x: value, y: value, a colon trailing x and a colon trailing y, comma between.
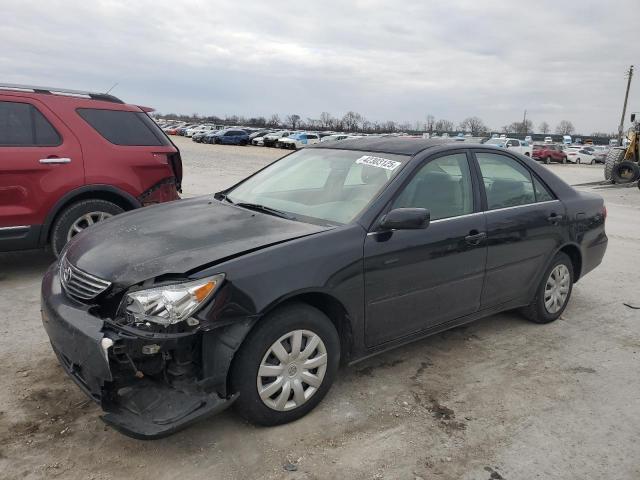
x: 22, y: 125
x: 124, y: 128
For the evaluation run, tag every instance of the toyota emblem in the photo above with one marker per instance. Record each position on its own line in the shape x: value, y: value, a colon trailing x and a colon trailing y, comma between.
x: 66, y: 274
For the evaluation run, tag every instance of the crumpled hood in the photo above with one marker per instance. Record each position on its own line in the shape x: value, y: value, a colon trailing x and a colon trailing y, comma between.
x: 177, y: 237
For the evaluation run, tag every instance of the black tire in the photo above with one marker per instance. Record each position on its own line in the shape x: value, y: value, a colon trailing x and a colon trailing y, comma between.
x: 68, y: 217
x: 547, y: 160
x: 526, y: 154
x: 578, y: 161
x: 625, y: 172
x: 613, y: 158
x: 244, y: 370
x: 592, y: 162
x: 564, y: 159
x: 537, y: 311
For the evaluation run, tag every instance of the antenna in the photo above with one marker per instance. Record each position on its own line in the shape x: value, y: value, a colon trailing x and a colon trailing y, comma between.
x: 114, y: 86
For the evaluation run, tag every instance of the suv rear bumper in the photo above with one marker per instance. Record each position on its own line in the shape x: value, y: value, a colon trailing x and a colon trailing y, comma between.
x: 142, y: 407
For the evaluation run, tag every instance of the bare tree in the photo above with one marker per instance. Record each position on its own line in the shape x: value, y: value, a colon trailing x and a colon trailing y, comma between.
x: 444, y: 126
x: 274, y: 121
x: 326, y: 119
x: 544, y: 128
x: 293, y: 120
x: 429, y: 125
x: 565, y: 127
x: 351, y: 120
x: 474, y: 125
x: 388, y: 126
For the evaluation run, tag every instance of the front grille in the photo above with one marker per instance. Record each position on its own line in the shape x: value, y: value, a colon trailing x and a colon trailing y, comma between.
x: 80, y: 285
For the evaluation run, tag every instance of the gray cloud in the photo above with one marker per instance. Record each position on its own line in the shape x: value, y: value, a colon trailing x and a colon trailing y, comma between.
x: 386, y: 60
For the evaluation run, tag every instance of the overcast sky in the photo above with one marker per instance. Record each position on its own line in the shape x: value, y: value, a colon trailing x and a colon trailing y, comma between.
x: 388, y: 60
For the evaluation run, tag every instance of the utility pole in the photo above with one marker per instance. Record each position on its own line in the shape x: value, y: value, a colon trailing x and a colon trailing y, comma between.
x: 624, y: 107
x: 524, y: 122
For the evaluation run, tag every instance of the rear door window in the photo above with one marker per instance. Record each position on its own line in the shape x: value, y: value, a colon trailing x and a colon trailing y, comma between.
x: 124, y: 128
x: 22, y: 125
x: 507, y: 183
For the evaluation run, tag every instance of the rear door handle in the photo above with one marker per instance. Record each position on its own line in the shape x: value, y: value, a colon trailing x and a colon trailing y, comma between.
x: 554, y: 218
x: 48, y: 161
x: 475, y: 237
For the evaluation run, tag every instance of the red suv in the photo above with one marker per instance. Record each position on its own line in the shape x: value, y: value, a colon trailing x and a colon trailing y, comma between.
x: 69, y: 159
x: 549, y: 153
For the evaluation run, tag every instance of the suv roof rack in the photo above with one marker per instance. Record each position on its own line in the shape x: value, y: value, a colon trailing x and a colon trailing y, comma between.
x: 61, y: 91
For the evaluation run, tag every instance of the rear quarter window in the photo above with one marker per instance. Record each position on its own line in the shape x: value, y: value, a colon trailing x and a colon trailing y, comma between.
x: 124, y: 128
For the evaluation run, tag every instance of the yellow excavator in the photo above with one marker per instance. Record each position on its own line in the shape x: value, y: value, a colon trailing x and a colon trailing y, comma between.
x: 622, y: 164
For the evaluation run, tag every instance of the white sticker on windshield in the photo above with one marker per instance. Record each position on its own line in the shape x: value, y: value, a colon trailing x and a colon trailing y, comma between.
x: 378, y: 162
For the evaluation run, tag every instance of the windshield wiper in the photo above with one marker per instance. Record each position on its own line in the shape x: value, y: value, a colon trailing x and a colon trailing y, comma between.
x: 265, y: 209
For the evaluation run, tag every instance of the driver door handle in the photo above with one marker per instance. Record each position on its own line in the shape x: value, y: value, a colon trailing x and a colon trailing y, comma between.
x: 53, y: 160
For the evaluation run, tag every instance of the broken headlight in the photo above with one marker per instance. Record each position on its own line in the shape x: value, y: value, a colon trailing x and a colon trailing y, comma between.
x: 170, y: 304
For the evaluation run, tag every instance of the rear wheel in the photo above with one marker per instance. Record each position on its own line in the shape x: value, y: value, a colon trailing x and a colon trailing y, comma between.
x: 547, y: 160
x: 564, y: 159
x: 613, y: 158
x: 554, y: 291
x: 77, y: 217
x: 625, y: 172
x: 286, y: 365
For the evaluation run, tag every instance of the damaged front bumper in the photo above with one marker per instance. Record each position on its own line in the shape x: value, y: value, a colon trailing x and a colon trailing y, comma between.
x: 100, y: 358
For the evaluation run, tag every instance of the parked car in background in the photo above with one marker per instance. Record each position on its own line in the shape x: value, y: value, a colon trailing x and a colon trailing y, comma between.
x: 548, y: 153
x: 528, y: 139
x: 325, y: 257
x: 200, y: 136
x: 69, y: 159
x: 270, y: 139
x: 231, y: 136
x: 599, y: 156
x: 208, y: 136
x: 197, y: 129
x: 298, y: 140
x: 258, y: 134
x: 513, y: 144
x: 579, y: 154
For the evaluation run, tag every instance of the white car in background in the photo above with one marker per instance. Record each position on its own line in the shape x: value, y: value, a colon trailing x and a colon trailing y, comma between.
x: 298, y: 140
x: 519, y: 146
x: 578, y: 154
x: 190, y: 132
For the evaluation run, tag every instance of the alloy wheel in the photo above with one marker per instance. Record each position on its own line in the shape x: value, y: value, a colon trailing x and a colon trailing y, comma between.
x: 556, y: 289
x: 292, y: 370
x: 85, y: 221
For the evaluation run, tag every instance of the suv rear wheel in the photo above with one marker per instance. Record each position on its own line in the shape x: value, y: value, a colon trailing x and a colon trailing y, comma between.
x: 78, y: 216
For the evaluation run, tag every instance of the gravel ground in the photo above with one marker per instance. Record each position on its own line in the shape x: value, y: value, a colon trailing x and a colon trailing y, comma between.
x: 498, y: 399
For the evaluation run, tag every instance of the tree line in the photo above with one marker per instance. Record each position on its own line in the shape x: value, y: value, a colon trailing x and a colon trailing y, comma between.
x: 355, y: 122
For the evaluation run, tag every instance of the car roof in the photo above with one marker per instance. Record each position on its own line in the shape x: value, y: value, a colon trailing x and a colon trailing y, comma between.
x: 394, y: 145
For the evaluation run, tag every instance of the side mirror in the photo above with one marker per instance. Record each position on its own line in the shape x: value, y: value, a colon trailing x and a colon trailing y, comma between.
x: 406, y: 219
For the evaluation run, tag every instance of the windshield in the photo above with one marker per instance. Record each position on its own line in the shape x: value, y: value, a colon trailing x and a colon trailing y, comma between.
x: 332, y: 186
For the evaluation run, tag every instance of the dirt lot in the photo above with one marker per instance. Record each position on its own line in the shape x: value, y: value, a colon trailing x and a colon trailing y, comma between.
x: 501, y: 398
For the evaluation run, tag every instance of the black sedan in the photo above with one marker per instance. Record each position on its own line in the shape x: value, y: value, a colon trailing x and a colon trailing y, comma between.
x: 256, y: 294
